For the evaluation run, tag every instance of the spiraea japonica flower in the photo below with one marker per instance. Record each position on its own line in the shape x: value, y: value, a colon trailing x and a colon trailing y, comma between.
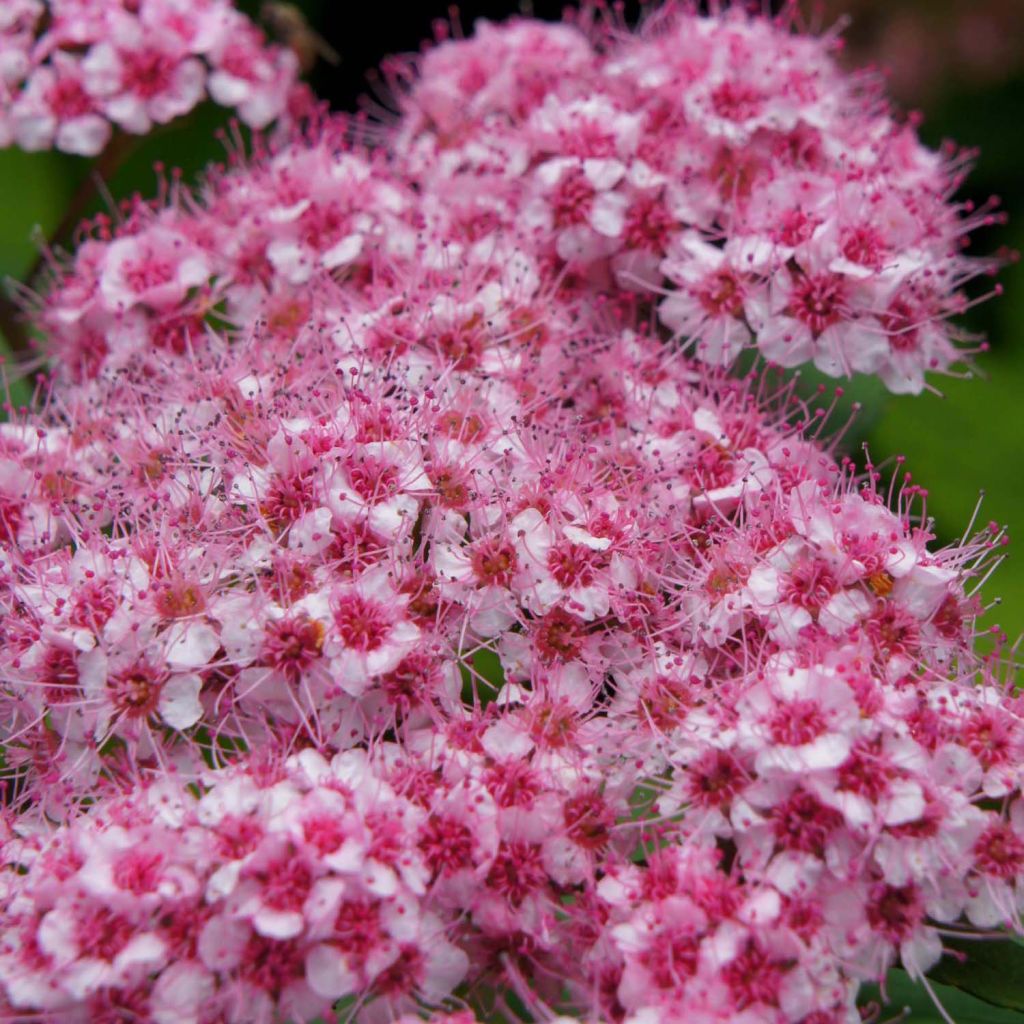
x: 74, y: 71
x: 406, y: 607
x: 727, y: 167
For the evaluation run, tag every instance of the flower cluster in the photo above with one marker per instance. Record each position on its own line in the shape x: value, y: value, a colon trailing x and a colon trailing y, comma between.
x: 282, y: 889
x: 71, y: 71
x: 397, y: 620
x: 731, y: 169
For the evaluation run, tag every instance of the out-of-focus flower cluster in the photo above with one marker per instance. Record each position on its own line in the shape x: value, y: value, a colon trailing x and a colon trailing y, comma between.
x: 395, y: 618
x: 72, y: 71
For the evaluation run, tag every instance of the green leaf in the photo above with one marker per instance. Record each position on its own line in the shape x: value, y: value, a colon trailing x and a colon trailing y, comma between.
x: 487, y: 666
x: 992, y: 971
x: 903, y: 993
x: 482, y: 677
x: 969, y: 441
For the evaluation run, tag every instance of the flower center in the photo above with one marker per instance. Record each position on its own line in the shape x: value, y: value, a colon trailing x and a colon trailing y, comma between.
x: 571, y: 202
x: 292, y: 645
x: 147, y: 72
x: 136, y: 692
x: 817, y: 301
x: 68, y: 100
x: 797, y: 722
x: 720, y: 294
x: 494, y: 562
x: 362, y: 624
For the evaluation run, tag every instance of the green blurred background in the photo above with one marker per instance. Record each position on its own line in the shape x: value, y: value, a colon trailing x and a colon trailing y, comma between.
x: 960, y: 63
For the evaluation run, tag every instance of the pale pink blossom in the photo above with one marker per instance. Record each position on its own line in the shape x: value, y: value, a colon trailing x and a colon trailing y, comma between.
x: 54, y: 109
x: 156, y: 269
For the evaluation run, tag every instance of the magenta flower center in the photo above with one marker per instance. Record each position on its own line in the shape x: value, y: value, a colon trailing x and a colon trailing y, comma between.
x: 818, y: 301
x: 362, y: 624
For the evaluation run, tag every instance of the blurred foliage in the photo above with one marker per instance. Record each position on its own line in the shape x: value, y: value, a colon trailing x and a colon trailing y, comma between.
x: 962, y: 66
x: 993, y: 971
x: 924, y: 45
x: 903, y: 994
x: 970, y: 439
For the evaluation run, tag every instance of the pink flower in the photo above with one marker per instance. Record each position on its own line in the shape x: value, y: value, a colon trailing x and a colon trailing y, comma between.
x: 578, y: 204
x: 798, y: 721
x: 141, y: 80
x: 96, y: 948
x: 856, y: 536
x: 138, y: 689
x: 54, y: 109
x: 707, y: 308
x: 370, y: 632
x: 249, y: 77
x: 199, y: 26
x: 812, y: 313
x: 379, y: 482
x: 156, y: 269
x: 560, y: 566
x: 796, y: 587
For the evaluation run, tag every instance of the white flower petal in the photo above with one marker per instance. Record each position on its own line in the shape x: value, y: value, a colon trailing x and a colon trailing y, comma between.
x: 179, y: 701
